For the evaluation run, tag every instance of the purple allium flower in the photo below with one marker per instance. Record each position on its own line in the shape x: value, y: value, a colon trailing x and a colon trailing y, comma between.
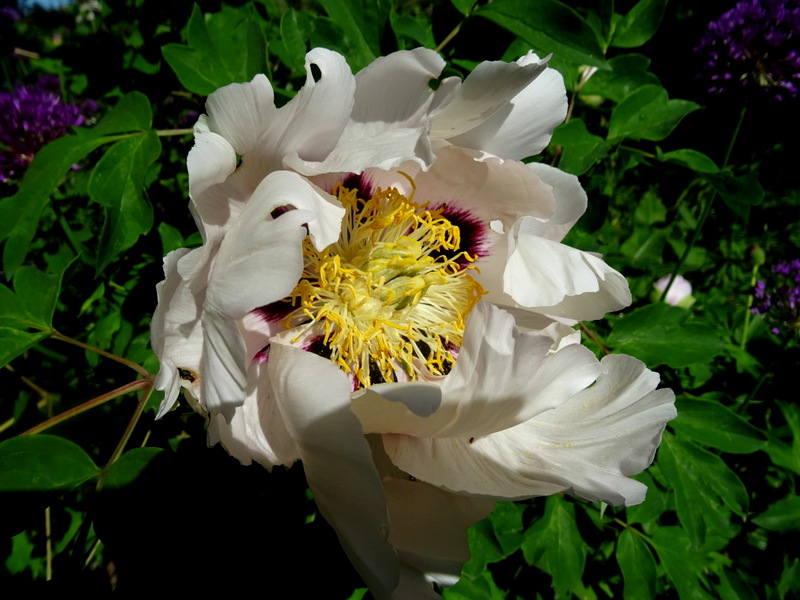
x: 30, y: 117
x: 754, y: 45
x: 8, y: 14
x: 777, y: 297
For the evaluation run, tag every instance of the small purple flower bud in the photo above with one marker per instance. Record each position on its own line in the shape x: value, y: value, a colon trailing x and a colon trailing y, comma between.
x: 777, y: 297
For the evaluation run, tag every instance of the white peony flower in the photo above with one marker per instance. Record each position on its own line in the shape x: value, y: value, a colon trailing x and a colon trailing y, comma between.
x: 382, y: 294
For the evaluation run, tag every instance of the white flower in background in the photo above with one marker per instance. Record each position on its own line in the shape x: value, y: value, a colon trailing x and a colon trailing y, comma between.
x: 382, y: 294
x: 680, y: 292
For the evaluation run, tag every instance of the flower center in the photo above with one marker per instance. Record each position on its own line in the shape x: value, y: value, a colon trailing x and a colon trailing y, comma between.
x: 390, y: 293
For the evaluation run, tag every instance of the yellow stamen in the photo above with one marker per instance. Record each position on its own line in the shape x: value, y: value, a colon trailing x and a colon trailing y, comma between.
x: 390, y: 298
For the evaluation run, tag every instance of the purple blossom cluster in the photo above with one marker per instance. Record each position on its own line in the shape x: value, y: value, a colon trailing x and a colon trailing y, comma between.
x: 754, y: 45
x: 30, y: 117
x: 778, y: 298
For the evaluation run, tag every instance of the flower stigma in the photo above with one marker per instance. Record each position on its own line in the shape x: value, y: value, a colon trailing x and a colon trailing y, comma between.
x: 392, y: 294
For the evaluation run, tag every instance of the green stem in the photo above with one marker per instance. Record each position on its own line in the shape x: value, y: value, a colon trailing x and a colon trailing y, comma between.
x: 148, y: 390
x: 645, y: 537
x: 124, y: 361
x: 786, y: 339
x: 594, y: 337
x: 169, y: 132
x: 746, y: 327
x: 706, y: 208
x: 638, y: 151
x: 734, y: 136
x: 133, y: 386
x: 690, y: 245
x: 449, y: 37
x: 48, y: 544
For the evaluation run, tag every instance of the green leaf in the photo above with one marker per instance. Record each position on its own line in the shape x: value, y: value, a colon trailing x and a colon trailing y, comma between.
x: 19, y: 214
x: 785, y: 455
x: 129, y: 466
x: 661, y: 334
x: 37, y: 293
x: 580, y: 149
x: 555, y: 545
x: 628, y: 73
x: 637, y: 565
x: 469, y: 588
x: 696, y: 161
x: 293, y: 36
x: 650, y: 209
x: 790, y: 579
x: 484, y: 548
x: 645, y: 248
x: 739, y: 193
x: 706, y: 489
x: 783, y: 515
x: 683, y: 564
x: 117, y: 183
x: 639, y: 25
x: 714, y: 425
x: 22, y: 557
x: 419, y: 29
x: 506, y: 521
x: 43, y: 463
x: 548, y: 26
x: 733, y: 587
x: 362, y: 22
x: 463, y: 6
x: 131, y: 113
x: 14, y: 342
x: 227, y: 47
x: 647, y: 114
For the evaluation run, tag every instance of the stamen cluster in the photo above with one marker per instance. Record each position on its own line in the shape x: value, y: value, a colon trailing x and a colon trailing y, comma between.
x: 392, y: 293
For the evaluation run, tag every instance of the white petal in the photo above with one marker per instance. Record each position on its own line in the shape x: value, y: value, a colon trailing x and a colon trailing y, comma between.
x: 260, y: 260
x: 502, y: 377
x: 570, y: 201
x: 218, y: 206
x: 314, y: 398
x: 588, y: 446
x: 395, y: 89
x: 210, y: 161
x: 524, y: 126
x: 242, y: 112
x: 369, y: 145
x: 176, y: 333
x: 490, y: 190
x: 257, y: 430
x: 558, y: 280
x: 488, y: 89
x: 389, y: 123
x: 310, y: 123
x: 429, y: 527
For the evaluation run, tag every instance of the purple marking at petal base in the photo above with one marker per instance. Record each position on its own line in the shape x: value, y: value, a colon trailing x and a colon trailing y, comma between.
x: 473, y: 232
x: 262, y: 355
x: 360, y: 182
x: 274, y: 312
